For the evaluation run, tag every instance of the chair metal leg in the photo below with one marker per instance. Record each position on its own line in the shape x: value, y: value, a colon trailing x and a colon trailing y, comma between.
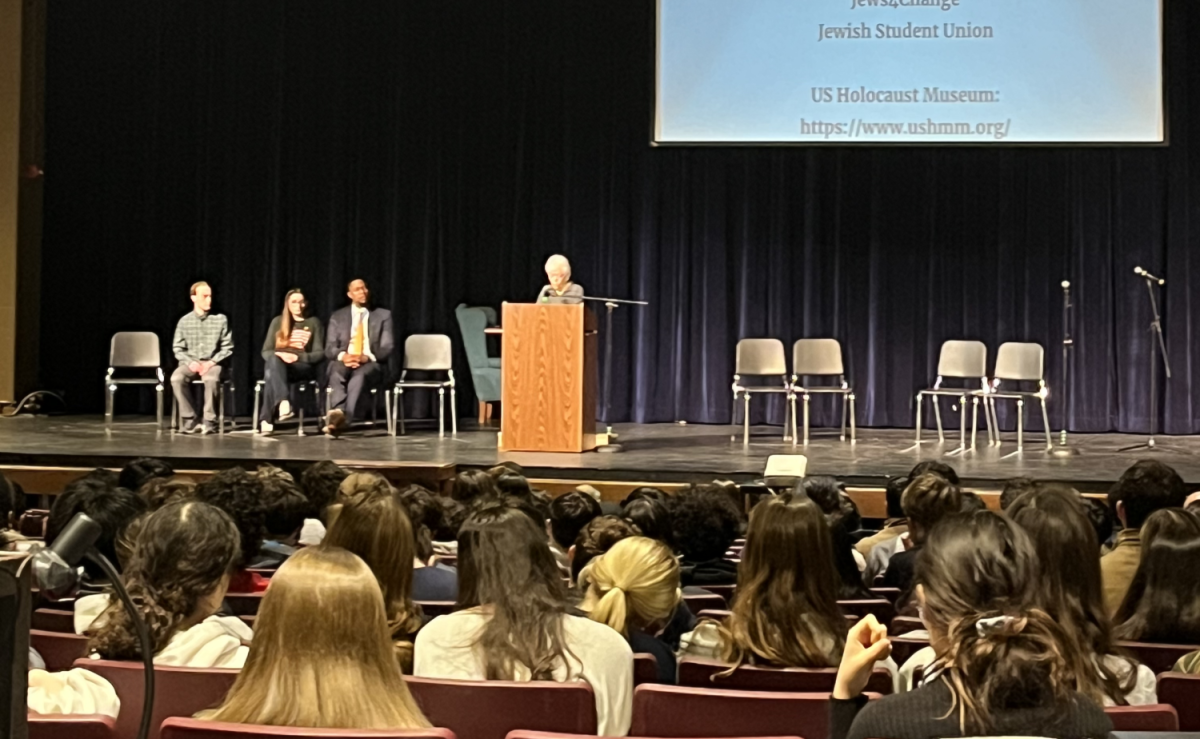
x: 374, y: 406
x: 400, y: 409
x: 791, y: 404
x: 158, y: 406
x: 387, y: 408
x: 441, y: 413
x: 746, y: 419
x: 453, y: 412
x: 962, y: 422
x: 975, y: 422
x: 1020, y: 424
x: 733, y: 424
x: 920, y: 402
x: 806, y: 417
x: 257, y: 407
x: 937, y: 413
x: 845, y: 402
x: 990, y: 409
x: 1046, y: 425
x: 221, y: 409
x: 853, y: 419
x: 109, y: 391
x: 300, y: 416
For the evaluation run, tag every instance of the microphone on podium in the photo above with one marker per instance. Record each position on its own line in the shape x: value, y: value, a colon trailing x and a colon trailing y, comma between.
x: 1143, y: 273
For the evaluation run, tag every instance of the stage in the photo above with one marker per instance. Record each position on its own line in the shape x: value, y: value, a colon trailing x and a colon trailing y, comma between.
x: 662, y: 453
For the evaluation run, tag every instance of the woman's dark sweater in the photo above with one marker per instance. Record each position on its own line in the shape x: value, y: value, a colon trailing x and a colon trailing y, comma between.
x: 928, y: 712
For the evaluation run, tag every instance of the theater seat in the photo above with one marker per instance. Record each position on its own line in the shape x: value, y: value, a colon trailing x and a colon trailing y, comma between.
x: 53, y: 619
x: 1183, y: 693
x: 178, y: 691
x: 696, y: 672
x: 244, y: 604
x: 645, y: 668
x: 71, y: 727
x: 1158, y: 657
x: 552, y: 735
x: 59, y: 651
x: 881, y: 609
x: 704, y: 602
x: 670, y: 711
x: 477, y: 709
x: 1158, y: 717
x: 435, y: 608
x: 190, y: 728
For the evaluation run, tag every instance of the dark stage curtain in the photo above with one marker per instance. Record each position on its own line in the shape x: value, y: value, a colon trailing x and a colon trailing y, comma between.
x: 442, y: 150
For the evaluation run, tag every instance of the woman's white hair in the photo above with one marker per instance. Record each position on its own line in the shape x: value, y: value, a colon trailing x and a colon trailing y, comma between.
x: 558, y: 260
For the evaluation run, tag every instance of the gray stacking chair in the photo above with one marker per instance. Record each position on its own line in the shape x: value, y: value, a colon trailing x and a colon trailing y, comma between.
x: 758, y: 358
x: 223, y: 387
x: 966, y: 361
x: 821, y: 358
x: 133, y: 350
x: 1018, y: 362
x: 427, y: 353
x: 301, y: 387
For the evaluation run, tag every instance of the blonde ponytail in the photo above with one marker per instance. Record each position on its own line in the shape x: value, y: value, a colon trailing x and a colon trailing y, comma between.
x: 633, y: 585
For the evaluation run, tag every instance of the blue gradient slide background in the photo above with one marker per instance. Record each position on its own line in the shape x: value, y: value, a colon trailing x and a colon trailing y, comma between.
x: 1067, y: 70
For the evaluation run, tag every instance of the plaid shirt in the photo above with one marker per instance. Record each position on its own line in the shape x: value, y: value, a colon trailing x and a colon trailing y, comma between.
x: 202, y: 338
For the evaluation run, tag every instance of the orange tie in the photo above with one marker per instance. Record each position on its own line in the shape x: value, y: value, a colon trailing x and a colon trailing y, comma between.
x: 356, y: 343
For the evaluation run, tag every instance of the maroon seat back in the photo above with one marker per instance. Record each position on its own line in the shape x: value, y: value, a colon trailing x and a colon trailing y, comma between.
x: 53, y: 619
x: 1143, y: 718
x: 725, y: 591
x: 178, y: 691
x: 704, y: 602
x: 190, y: 728
x: 33, y: 523
x: 244, y: 604
x: 881, y: 609
x: 1183, y: 693
x: 71, y: 727
x: 714, y: 614
x: 1158, y: 657
x: 435, y: 608
x: 551, y: 735
x: 904, y: 624
x: 891, y: 595
x: 670, y: 711
x: 645, y: 669
x: 59, y: 651
x: 904, y: 647
x: 476, y: 709
x: 696, y: 672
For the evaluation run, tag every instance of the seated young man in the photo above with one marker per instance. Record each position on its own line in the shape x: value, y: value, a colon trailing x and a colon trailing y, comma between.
x: 569, y: 513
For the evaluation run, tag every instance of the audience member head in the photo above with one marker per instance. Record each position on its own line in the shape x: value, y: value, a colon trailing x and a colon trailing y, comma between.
x: 596, y: 538
x: 645, y: 491
x: 1192, y: 504
x: 634, y: 586
x: 320, y: 482
x: 937, y: 468
x: 704, y: 523
x: 286, y: 507
x: 785, y: 611
x: 1144, y: 488
x: 850, y: 583
x: 830, y: 497
x: 425, y: 515
x: 470, y: 486
x: 893, y: 491
x: 454, y: 515
x: 1163, y: 600
x: 1001, y: 651
x: 506, y: 467
x: 505, y: 563
x: 928, y: 499
x: 158, y: 491
x: 512, y: 484
x: 1015, y: 488
x: 110, y: 506
x: 240, y: 494
x: 103, y: 476
x: 377, y: 530
x: 321, y: 657
x: 177, y: 576
x: 971, y: 503
x: 1069, y: 586
x: 138, y: 472
x: 569, y: 513
x: 652, y: 517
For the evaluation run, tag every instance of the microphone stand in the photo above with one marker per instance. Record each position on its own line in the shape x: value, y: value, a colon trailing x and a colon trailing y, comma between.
x: 1156, y: 329
x: 610, y: 304
x: 1063, y: 450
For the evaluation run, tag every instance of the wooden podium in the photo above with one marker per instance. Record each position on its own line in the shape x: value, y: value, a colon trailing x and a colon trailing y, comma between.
x: 549, y: 384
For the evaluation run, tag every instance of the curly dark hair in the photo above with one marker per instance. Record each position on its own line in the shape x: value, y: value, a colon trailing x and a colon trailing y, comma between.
x: 142, y: 470
x: 704, y: 523
x: 240, y: 494
x: 454, y: 515
x: 425, y: 515
x: 111, y: 507
x: 1144, y: 488
x: 183, y: 551
x: 830, y: 497
x: 597, y: 537
x: 470, y: 486
x: 286, y: 506
x: 319, y: 483
x: 652, y: 517
x: 158, y: 491
x: 569, y: 513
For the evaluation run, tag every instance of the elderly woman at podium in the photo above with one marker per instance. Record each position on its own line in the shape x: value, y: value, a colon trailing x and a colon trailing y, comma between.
x: 560, y: 289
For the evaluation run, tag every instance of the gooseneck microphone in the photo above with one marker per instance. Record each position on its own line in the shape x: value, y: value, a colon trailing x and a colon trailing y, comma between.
x: 1143, y: 273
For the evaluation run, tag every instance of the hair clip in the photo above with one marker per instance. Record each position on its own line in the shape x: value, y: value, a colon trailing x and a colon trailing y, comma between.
x: 985, y: 627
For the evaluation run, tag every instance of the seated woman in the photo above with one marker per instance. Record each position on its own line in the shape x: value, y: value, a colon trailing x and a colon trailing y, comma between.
x: 785, y: 611
x: 634, y: 588
x: 375, y: 527
x: 517, y: 621
x: 293, y: 351
x: 1004, y: 666
x: 323, y: 659
x: 1163, y: 601
x: 178, y: 574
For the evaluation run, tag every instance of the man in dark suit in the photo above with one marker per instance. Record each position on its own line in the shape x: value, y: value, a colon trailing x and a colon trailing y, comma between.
x: 357, y: 343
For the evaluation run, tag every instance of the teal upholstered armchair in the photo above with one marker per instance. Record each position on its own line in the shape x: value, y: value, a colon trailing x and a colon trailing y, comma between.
x: 485, y: 370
